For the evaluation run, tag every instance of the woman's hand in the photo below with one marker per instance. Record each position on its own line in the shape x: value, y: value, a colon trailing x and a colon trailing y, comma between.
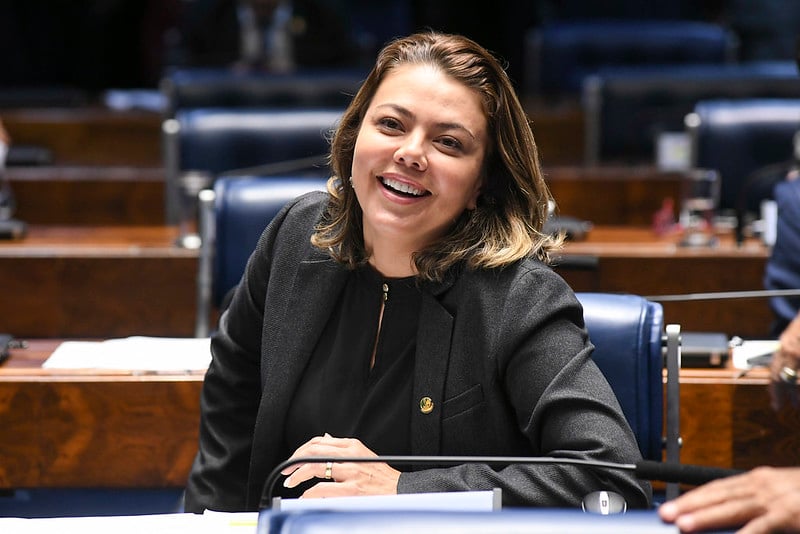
x: 343, y: 479
x: 784, y: 367
x: 765, y: 499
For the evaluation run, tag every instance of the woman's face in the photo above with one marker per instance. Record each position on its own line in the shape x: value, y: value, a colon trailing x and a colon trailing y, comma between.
x: 418, y: 157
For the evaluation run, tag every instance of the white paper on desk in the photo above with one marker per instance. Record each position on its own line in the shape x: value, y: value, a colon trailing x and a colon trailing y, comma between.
x: 137, y: 353
x: 740, y: 354
x: 151, y: 524
x: 471, y: 501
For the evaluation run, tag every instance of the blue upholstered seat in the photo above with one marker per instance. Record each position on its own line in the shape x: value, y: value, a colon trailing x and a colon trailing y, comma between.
x: 233, y: 219
x: 627, y: 108
x: 193, y: 88
x: 558, y: 56
x: 739, y: 137
x: 627, y: 333
x: 251, y: 140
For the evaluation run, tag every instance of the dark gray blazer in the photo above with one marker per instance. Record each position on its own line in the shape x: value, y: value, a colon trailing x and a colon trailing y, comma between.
x: 503, y: 354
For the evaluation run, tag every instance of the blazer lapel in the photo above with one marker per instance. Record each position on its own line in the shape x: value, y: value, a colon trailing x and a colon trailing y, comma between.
x: 310, y: 302
x: 430, y: 369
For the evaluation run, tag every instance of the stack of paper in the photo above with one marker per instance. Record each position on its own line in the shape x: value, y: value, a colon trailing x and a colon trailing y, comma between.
x: 136, y: 353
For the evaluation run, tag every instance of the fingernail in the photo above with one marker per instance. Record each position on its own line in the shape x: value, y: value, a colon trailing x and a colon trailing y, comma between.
x: 286, y: 483
x: 326, y: 435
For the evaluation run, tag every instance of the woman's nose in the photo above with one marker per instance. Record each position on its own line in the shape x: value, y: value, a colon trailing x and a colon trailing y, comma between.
x: 411, y: 153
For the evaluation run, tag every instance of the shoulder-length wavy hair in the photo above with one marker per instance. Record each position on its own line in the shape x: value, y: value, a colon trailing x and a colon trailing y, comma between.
x: 507, y: 224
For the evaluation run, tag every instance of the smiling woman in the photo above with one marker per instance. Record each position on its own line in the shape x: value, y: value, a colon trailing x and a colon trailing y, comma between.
x: 425, y: 319
x: 417, y: 164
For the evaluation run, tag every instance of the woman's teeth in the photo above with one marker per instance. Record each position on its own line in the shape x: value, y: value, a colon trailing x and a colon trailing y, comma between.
x: 402, y: 187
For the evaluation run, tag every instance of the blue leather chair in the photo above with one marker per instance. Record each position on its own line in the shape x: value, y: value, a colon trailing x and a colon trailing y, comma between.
x: 627, y: 108
x: 233, y: 216
x: 559, y: 55
x: 739, y: 137
x: 193, y: 88
x: 254, y: 141
x: 627, y: 332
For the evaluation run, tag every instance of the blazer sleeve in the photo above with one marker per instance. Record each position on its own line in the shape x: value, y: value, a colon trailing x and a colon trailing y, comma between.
x: 232, y: 388
x: 547, y: 396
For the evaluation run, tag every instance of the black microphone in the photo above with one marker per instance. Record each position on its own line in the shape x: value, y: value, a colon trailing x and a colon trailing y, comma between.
x: 645, y: 469
x: 681, y: 473
x: 725, y: 295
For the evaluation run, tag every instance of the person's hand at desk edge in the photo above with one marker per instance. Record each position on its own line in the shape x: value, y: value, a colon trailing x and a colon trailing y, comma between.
x: 765, y: 499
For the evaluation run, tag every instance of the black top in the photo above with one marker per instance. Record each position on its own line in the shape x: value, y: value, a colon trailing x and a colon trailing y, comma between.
x: 339, y: 392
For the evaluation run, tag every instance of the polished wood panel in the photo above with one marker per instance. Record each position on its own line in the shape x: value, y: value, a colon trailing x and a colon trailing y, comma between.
x: 727, y: 421
x: 636, y: 260
x: 119, y: 195
x: 86, y: 428
x: 99, y: 195
x: 608, y: 195
x: 73, y: 281
x: 558, y: 128
x: 89, y: 136
x: 92, y: 429
x: 98, y: 282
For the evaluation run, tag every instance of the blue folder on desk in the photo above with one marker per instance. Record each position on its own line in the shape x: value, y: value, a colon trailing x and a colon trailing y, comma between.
x: 548, y: 521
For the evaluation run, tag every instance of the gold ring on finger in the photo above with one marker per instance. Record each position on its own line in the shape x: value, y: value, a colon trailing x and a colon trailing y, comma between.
x: 788, y: 375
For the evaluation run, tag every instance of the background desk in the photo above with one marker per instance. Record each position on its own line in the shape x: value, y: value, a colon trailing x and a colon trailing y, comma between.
x: 117, y: 430
x: 87, y: 429
x: 635, y: 260
x: 116, y: 281
x: 97, y: 281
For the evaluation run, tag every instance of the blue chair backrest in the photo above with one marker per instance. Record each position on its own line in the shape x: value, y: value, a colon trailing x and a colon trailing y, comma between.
x: 243, y: 207
x: 560, y: 55
x: 739, y: 137
x: 627, y: 333
x: 627, y: 108
x: 191, y: 88
x: 218, y: 140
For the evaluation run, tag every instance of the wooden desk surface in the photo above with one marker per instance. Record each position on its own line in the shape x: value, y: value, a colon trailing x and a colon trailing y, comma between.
x: 87, y: 281
x: 635, y: 260
x: 114, y: 281
x: 96, y: 241
x: 120, y: 429
x: 90, y: 429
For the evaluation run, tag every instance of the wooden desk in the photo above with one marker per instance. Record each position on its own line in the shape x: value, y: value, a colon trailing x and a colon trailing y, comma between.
x: 88, y: 195
x: 726, y: 421
x: 98, y: 282
x: 89, y: 135
x: 115, y: 281
x: 636, y: 260
x: 87, y: 429
x: 613, y: 195
x: 128, y: 195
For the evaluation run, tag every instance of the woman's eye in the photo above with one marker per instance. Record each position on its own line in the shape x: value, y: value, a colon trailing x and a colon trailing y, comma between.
x: 390, y: 123
x: 450, y: 143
